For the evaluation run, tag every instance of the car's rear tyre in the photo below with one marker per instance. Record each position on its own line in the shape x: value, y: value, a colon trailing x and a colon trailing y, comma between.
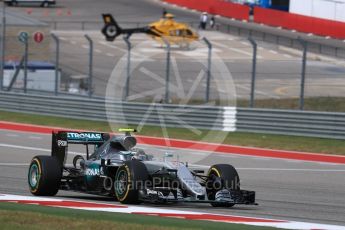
x: 44, y: 176
x: 129, y: 179
x: 229, y: 180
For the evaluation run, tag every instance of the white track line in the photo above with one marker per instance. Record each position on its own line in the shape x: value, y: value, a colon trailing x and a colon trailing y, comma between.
x: 14, y: 164
x: 199, y: 152
x: 35, y: 137
x: 292, y: 169
x: 193, y: 165
x: 12, y: 135
x: 34, y: 148
x: 275, y: 169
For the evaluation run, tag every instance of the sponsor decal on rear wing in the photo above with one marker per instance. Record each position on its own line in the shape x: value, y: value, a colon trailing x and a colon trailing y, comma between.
x: 63, y: 138
x: 84, y: 137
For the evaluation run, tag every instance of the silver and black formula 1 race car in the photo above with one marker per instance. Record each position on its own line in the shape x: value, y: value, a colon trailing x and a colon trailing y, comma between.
x: 116, y: 168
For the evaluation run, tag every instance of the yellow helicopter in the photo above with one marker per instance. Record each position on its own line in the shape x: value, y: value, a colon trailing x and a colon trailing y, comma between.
x: 166, y: 28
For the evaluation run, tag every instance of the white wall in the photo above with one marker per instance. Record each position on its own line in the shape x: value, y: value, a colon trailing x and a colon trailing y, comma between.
x: 326, y: 9
x: 38, y: 80
x: 303, y: 7
x: 340, y: 13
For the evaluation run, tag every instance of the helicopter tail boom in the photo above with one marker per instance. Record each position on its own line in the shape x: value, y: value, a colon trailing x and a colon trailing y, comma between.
x: 111, y: 29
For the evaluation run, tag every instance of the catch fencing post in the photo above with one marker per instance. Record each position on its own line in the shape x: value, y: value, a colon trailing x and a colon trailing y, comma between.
x: 90, y: 64
x: 2, y: 45
x: 129, y: 47
x: 26, y: 57
x: 252, y: 88
x: 304, y: 64
x: 57, y: 61
x: 167, y: 76
x: 208, y: 80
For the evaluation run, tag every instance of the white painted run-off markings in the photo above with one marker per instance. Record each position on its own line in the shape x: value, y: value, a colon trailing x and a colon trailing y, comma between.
x: 273, y: 51
x: 73, y: 42
x: 63, y: 38
x: 110, y: 55
x: 256, y: 221
x: 287, y: 55
x: 103, y: 43
x: 257, y: 91
x: 234, y: 49
x: 85, y: 46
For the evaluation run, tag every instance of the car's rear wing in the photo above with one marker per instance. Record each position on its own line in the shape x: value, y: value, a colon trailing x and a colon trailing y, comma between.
x: 61, y: 140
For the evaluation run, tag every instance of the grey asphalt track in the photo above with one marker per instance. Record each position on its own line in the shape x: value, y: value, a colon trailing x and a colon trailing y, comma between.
x: 286, y: 189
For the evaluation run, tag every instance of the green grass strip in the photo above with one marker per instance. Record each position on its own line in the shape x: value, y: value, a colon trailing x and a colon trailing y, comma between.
x: 282, y: 142
x: 21, y: 216
x: 324, y: 104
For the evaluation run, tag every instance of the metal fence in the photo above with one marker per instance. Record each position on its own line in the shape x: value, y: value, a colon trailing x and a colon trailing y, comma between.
x: 294, y: 72
x: 319, y: 45
x: 265, y: 71
x: 286, y: 122
x: 291, y: 122
x: 200, y: 117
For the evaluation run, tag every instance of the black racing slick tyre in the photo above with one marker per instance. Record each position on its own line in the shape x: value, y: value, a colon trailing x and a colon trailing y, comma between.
x: 129, y: 179
x: 221, y: 176
x: 44, y: 176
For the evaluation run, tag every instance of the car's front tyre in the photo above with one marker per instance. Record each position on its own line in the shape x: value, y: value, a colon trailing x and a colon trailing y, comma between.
x: 221, y: 176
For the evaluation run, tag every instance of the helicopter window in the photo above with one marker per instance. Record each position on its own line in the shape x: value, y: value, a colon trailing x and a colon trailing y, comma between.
x: 189, y: 32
